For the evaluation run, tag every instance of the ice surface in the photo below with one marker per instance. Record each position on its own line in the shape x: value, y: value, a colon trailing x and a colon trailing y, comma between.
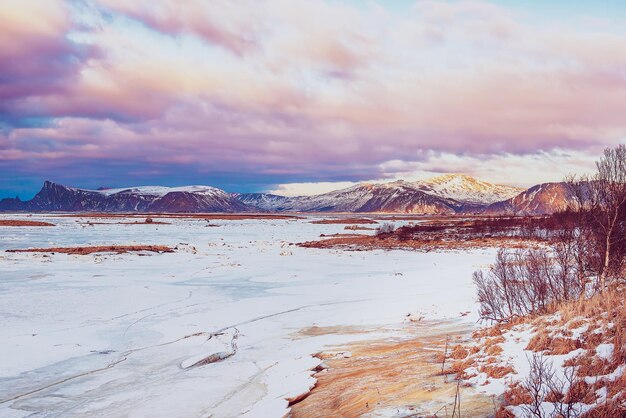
x: 119, y: 335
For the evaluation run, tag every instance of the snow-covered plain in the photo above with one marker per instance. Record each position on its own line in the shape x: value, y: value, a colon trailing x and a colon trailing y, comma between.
x: 119, y: 335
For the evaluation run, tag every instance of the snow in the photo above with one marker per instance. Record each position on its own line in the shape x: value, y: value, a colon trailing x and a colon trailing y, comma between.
x: 464, y: 188
x: 120, y: 335
x: 605, y: 351
x: 160, y: 190
x: 457, y: 187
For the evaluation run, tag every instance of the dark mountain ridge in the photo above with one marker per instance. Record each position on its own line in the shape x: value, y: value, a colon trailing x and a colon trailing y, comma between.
x: 395, y: 197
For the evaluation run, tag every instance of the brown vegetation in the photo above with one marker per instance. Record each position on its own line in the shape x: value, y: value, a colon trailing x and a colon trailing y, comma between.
x: 456, y: 233
x: 358, y: 228
x: 339, y: 235
x: 206, y: 216
x: 496, y: 372
x: 349, y: 221
x: 368, y: 242
x: 117, y: 249
x: 129, y: 223
x: 13, y: 222
x: 582, y: 324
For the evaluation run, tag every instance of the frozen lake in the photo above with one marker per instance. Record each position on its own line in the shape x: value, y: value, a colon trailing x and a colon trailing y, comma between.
x: 118, y: 335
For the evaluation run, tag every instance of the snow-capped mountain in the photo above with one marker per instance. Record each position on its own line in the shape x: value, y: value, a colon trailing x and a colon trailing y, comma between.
x: 446, y: 194
x: 395, y: 197
x: 161, y: 190
x: 538, y: 200
x: 466, y: 189
x: 55, y: 197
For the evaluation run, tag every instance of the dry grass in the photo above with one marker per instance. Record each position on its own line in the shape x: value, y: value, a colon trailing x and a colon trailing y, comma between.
x: 459, y: 353
x: 494, y: 331
x: 504, y: 413
x: 494, y: 350
x: 580, y: 325
x: 543, y: 341
x: 607, y: 410
x: 517, y: 395
x: 581, y: 391
x: 495, y: 371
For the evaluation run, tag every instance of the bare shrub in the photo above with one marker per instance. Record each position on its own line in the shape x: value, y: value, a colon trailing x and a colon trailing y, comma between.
x: 525, y: 282
x: 542, y: 385
x: 385, y: 229
x: 601, y: 206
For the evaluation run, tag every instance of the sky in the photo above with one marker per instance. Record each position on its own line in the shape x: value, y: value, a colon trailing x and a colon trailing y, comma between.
x: 305, y: 96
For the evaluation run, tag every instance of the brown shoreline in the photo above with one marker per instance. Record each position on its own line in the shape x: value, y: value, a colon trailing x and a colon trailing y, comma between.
x: 345, y: 221
x: 117, y: 249
x: 207, y: 216
x: 369, y: 242
x: 15, y: 222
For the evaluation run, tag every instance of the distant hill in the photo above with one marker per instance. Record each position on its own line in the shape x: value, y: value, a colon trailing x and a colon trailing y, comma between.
x: 54, y: 198
x: 447, y: 194
x: 538, y: 200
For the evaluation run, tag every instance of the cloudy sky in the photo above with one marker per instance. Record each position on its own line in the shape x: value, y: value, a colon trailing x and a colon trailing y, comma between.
x: 305, y: 95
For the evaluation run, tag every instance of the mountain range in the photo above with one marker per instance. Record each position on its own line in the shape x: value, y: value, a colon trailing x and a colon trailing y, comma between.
x: 446, y: 194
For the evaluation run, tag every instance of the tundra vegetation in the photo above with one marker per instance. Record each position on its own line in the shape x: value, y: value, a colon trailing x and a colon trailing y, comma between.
x: 568, y: 293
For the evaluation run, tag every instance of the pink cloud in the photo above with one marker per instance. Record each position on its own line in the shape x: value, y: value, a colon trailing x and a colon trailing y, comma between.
x: 218, y: 22
x: 288, y: 94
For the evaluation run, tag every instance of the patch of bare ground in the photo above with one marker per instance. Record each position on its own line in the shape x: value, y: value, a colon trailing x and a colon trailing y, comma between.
x: 13, y: 222
x: 316, y: 331
x: 389, y: 375
x: 343, y: 221
x: 358, y: 228
x: 206, y: 216
x: 339, y: 235
x: 148, y: 221
x: 116, y: 249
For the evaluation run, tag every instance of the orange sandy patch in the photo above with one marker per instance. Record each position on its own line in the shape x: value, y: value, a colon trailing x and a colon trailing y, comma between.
x: 12, y: 222
x: 316, y: 331
x: 117, y: 249
x: 383, y: 375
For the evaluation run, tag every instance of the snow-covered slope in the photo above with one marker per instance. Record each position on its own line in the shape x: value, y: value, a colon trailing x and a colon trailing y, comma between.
x: 466, y: 189
x: 538, y: 200
x: 444, y: 194
x: 160, y: 190
x: 266, y: 201
x: 396, y: 197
